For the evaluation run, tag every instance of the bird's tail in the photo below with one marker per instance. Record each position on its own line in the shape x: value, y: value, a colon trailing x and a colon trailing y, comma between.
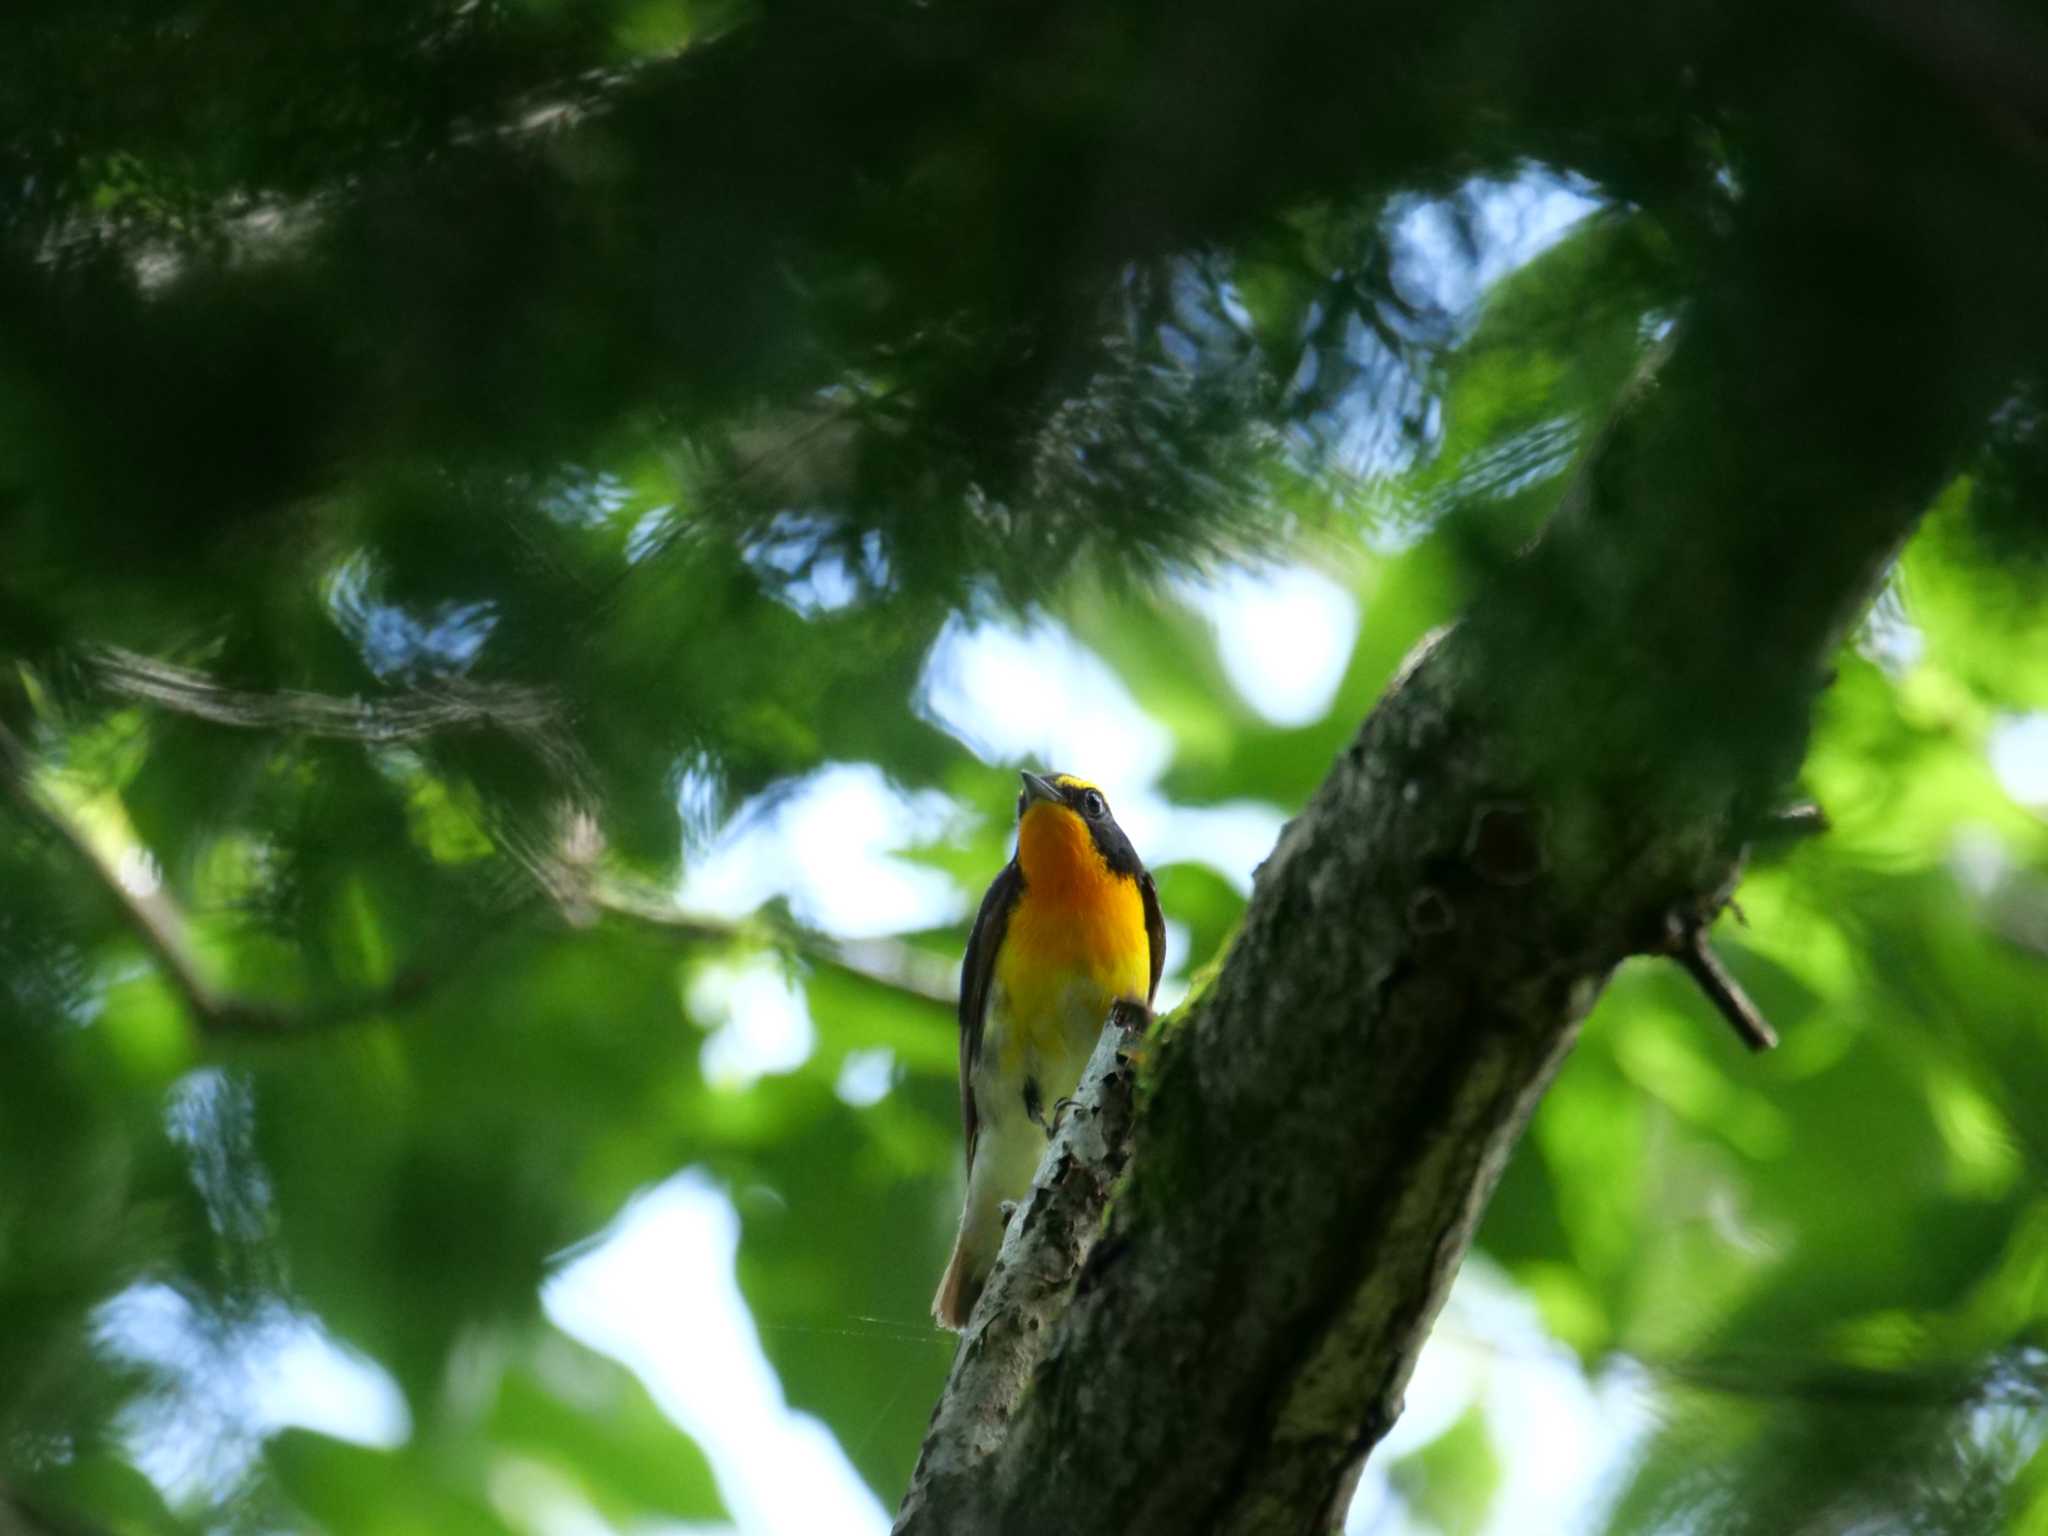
x: 959, y: 1288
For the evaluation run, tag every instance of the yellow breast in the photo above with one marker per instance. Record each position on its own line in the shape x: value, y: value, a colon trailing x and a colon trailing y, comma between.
x: 1076, y: 940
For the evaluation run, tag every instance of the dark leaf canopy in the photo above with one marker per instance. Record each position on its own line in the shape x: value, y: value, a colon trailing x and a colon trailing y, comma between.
x: 473, y: 477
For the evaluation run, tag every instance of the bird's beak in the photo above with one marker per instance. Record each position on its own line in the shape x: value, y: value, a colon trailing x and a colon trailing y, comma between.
x: 1036, y: 788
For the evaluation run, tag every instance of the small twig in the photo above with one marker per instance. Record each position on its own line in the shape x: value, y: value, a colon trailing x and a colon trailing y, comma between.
x: 1688, y: 946
x: 567, y: 868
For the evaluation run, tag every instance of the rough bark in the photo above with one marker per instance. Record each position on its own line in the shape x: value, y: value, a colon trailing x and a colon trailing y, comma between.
x: 1565, y: 779
x: 1049, y: 1238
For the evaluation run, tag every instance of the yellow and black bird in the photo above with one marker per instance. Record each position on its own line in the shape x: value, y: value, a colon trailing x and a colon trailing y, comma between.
x: 1070, y: 927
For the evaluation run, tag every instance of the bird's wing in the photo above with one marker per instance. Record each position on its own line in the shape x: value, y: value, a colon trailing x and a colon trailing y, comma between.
x: 1155, y: 931
x: 977, y: 977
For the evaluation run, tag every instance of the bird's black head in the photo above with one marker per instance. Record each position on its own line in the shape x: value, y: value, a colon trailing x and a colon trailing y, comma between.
x: 1090, y: 806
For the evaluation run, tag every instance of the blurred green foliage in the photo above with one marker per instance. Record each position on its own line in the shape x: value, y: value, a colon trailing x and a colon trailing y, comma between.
x: 456, y: 458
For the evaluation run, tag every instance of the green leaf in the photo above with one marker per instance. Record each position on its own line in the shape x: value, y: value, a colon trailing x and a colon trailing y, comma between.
x: 351, y: 1490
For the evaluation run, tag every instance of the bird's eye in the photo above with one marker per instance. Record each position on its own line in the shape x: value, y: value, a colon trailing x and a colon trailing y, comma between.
x: 1093, y: 806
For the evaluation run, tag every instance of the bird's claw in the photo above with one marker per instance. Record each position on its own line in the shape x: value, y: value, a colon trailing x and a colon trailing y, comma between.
x: 1034, y: 1108
x: 1050, y: 1124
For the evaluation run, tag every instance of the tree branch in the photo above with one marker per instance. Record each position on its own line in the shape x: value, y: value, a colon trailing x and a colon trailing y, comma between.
x: 529, y: 715
x: 1048, y: 1240
x: 1536, y: 795
x: 407, y: 716
x: 1696, y: 956
x: 160, y: 923
x: 884, y: 962
x: 565, y: 872
x: 155, y: 919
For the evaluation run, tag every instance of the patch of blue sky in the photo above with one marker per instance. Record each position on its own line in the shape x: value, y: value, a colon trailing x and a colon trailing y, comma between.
x: 700, y: 798
x: 401, y: 644
x: 807, y: 566
x: 211, y: 1117
x: 759, y: 1020
x: 1563, y: 1438
x: 2019, y: 756
x: 584, y: 498
x: 1031, y: 695
x: 1284, y: 635
x: 828, y: 844
x: 650, y: 532
x: 1521, y: 459
x: 1448, y: 250
x: 1888, y: 635
x: 224, y: 1387
x: 224, y: 1384
x: 866, y: 1076
x: 1232, y: 837
x: 658, y: 1293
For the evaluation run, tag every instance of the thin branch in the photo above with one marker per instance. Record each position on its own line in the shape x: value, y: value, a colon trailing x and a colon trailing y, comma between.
x: 454, y: 704
x: 529, y: 715
x: 161, y: 924
x: 566, y: 872
x: 151, y: 913
x: 568, y: 868
x: 883, y: 962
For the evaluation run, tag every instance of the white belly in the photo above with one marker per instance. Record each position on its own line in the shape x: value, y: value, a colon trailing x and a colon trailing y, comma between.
x: 1008, y: 1143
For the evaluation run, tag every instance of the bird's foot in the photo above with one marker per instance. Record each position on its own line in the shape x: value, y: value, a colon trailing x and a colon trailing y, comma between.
x: 1034, y: 1109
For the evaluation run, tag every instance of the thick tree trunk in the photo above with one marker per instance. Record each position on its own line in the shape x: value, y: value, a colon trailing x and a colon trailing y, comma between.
x: 1566, y: 779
